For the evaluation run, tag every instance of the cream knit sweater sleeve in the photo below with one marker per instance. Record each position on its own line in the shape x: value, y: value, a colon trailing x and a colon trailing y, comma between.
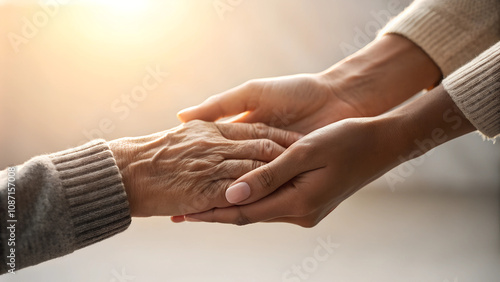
x: 475, y: 88
x: 462, y: 37
x: 451, y: 32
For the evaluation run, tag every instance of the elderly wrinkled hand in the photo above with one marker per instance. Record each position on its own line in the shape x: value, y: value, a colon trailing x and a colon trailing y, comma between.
x: 187, y: 169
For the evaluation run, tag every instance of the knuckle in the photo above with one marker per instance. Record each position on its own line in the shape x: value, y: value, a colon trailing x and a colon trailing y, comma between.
x: 260, y: 130
x: 255, y: 88
x: 221, y: 191
x: 224, y: 171
x: 213, y: 216
x: 225, y: 130
x: 251, y: 84
x: 213, y: 99
x: 185, y: 208
x: 308, y: 223
x: 302, y: 151
x: 267, y: 148
x: 310, y: 217
x: 198, y: 199
x: 265, y: 177
x: 242, y: 219
x: 285, y: 135
x: 198, y: 165
x: 256, y: 164
x: 212, y: 191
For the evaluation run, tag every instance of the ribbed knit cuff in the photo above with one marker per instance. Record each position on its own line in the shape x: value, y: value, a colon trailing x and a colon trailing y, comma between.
x: 475, y: 88
x: 450, y: 32
x: 94, y: 191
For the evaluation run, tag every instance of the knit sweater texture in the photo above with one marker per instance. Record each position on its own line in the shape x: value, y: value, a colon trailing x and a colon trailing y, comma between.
x: 63, y: 202
x: 461, y: 36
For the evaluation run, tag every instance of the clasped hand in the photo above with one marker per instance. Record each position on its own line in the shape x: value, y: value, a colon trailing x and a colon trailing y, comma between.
x: 337, y: 135
x: 305, y: 183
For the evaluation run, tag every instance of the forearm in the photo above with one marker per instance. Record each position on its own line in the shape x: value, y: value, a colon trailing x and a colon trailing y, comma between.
x: 427, y: 122
x: 382, y: 75
x: 439, y: 116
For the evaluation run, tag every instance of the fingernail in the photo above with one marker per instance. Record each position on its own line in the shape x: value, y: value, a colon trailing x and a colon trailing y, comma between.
x: 177, y: 219
x: 190, y: 219
x: 238, y: 192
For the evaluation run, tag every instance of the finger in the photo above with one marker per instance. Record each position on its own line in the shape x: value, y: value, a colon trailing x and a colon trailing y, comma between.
x: 284, y: 205
x: 231, y: 102
x: 261, y: 150
x: 279, y: 204
x: 213, y: 195
x: 264, y: 180
x: 301, y: 221
x: 257, y: 115
x: 206, y: 197
x: 233, y: 169
x: 304, y: 221
x: 286, y: 219
x: 177, y: 218
x: 244, y: 131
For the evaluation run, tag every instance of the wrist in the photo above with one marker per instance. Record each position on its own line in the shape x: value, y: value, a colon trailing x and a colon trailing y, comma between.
x: 418, y: 127
x: 382, y: 75
x: 121, y: 156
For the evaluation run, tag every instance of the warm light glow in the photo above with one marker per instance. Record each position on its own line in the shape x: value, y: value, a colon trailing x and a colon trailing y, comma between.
x: 125, y: 26
x: 121, y: 7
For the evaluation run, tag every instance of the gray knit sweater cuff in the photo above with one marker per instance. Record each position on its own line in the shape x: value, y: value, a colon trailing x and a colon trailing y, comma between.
x: 451, y: 32
x: 475, y: 88
x: 93, y: 187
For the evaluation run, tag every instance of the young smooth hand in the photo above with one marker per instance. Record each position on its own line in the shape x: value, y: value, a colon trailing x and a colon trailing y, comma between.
x: 300, y: 103
x: 318, y: 172
x: 374, y: 80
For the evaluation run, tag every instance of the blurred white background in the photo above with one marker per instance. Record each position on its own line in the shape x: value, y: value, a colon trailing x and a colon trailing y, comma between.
x: 76, y: 66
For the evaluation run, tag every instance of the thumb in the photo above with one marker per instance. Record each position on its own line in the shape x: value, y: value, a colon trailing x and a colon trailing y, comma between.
x: 264, y: 180
x: 231, y: 102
